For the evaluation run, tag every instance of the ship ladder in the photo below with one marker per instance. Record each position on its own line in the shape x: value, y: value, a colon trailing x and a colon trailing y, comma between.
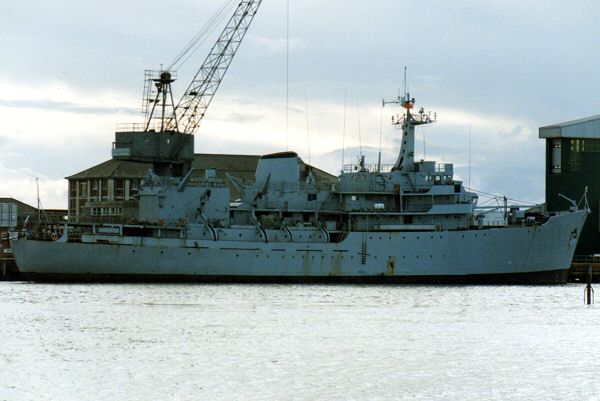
x: 363, y: 250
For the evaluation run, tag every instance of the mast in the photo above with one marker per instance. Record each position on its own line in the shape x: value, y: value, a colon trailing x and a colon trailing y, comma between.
x: 163, y: 98
x: 406, y: 155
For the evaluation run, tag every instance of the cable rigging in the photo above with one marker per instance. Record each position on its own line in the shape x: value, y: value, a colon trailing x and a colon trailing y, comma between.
x: 185, y: 116
x: 201, y: 36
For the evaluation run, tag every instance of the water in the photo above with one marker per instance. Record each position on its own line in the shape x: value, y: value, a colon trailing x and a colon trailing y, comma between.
x: 305, y: 342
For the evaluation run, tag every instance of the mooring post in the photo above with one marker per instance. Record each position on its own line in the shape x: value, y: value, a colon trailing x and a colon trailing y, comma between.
x: 589, y: 291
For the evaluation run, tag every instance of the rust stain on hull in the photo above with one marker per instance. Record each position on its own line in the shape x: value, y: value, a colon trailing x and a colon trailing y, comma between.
x: 391, y: 266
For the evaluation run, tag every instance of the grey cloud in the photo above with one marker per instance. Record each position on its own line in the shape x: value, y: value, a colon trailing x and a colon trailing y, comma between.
x: 69, y: 107
x: 237, y: 117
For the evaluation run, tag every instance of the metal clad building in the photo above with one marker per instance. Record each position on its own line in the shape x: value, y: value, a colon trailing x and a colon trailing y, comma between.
x: 8, y: 215
x: 572, y: 164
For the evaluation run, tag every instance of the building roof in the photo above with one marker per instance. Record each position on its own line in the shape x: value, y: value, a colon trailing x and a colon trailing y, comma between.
x: 241, y: 166
x: 114, y: 168
x: 21, y: 207
x: 223, y: 162
x: 586, y: 128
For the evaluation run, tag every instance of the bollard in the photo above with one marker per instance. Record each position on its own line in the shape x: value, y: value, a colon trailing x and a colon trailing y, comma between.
x: 588, y: 295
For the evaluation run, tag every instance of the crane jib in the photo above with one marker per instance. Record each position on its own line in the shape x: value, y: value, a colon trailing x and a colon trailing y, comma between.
x: 189, y: 112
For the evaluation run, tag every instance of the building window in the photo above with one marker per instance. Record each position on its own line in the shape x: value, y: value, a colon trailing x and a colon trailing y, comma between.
x: 577, y: 145
x: 575, y: 162
x: 106, y: 211
x: 592, y: 145
x: 119, y: 189
x: 134, y: 188
x: 104, y: 189
x: 555, y: 156
x: 83, y: 189
x: 585, y: 145
x: 94, y: 190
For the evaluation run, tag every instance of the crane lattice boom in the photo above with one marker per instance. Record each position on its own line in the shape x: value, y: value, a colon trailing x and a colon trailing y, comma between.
x: 192, y: 106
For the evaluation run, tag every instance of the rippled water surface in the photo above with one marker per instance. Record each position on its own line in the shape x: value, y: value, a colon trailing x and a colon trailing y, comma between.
x: 306, y: 342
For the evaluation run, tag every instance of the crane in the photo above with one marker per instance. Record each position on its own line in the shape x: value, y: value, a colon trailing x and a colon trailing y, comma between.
x: 169, y: 145
x: 192, y: 106
x: 187, y: 115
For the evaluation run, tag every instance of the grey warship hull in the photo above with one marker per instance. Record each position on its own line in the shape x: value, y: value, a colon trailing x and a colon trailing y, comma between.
x: 523, y: 254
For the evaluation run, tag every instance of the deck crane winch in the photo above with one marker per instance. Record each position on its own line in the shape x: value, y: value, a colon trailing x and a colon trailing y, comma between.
x: 169, y: 145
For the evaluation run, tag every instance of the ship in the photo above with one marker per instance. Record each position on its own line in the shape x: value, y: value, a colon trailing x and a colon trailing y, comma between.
x: 411, y: 223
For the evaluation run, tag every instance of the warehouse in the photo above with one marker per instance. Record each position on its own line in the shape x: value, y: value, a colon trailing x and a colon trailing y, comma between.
x: 572, y: 165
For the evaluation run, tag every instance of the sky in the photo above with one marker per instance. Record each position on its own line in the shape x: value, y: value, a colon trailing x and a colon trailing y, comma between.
x: 493, y: 72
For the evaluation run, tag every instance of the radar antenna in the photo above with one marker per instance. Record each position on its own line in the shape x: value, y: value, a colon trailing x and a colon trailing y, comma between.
x: 408, y: 121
